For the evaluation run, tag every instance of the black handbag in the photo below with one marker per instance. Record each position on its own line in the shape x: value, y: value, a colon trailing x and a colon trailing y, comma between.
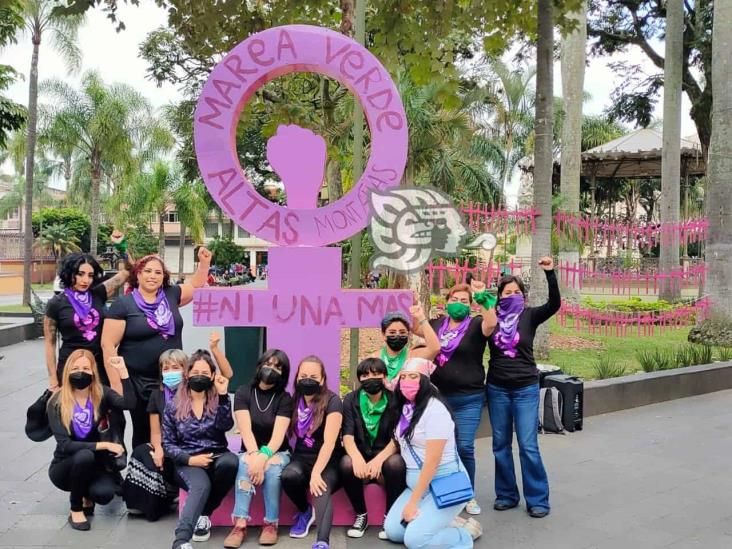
x: 110, y: 430
x: 36, y: 419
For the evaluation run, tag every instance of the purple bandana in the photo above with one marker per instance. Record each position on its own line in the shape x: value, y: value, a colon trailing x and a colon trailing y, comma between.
x: 406, y: 417
x: 82, y: 419
x: 450, y: 339
x: 509, y: 311
x: 158, y: 313
x: 304, y: 422
x: 86, y: 318
x: 168, y: 394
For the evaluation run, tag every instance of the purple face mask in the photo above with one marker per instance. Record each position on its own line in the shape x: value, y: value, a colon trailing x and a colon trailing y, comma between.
x: 509, y: 312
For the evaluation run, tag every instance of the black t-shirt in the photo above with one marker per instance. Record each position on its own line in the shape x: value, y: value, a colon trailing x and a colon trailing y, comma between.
x: 156, y: 403
x: 521, y: 371
x: 464, y: 373
x: 302, y: 451
x: 59, y: 309
x: 141, y: 344
x: 264, y: 408
x: 354, y: 425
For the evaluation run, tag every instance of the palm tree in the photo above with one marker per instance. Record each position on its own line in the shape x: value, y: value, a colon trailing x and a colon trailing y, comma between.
x: 56, y: 238
x: 671, y: 150
x: 106, y: 124
x: 573, y: 78
x: 719, y: 174
x: 193, y: 208
x: 41, y: 20
x: 541, y: 239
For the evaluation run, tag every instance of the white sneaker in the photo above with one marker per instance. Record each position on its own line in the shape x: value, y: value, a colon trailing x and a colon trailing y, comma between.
x: 472, y: 507
x: 382, y: 535
x: 473, y: 527
x: 202, y: 531
x: 185, y: 546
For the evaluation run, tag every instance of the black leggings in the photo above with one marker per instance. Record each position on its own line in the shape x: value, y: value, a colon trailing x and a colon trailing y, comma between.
x: 206, y: 487
x: 296, y: 484
x: 393, y: 478
x: 83, y: 475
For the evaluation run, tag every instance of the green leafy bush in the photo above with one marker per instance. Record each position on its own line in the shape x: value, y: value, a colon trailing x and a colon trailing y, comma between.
x: 631, y: 305
x: 607, y: 367
x: 654, y: 360
x: 225, y: 251
x: 714, y: 331
x: 724, y: 353
x: 142, y: 241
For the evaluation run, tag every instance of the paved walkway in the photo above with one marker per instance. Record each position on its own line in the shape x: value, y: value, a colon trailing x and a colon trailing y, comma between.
x: 653, y: 477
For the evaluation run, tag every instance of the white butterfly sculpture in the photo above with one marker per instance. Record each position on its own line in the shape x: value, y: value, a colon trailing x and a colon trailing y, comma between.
x: 410, y: 225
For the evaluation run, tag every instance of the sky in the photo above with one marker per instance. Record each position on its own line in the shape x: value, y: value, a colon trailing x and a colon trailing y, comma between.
x: 115, y: 56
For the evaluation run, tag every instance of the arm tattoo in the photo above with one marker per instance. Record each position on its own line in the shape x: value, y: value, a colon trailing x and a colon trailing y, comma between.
x: 114, y: 283
x: 51, y: 329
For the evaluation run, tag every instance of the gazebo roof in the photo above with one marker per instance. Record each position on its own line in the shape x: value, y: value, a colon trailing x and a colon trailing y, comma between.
x: 638, y: 154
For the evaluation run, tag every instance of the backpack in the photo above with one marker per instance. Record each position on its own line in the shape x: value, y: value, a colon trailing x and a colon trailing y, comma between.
x: 550, y: 410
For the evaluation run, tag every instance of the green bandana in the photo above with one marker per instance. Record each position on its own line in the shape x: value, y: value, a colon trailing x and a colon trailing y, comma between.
x: 393, y: 363
x: 371, y: 413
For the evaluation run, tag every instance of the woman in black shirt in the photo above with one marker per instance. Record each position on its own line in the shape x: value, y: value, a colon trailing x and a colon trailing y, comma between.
x: 75, y: 413
x: 316, y: 424
x: 460, y: 373
x: 262, y: 410
x: 513, y: 393
x: 77, y: 313
x: 370, y: 415
x: 143, y: 324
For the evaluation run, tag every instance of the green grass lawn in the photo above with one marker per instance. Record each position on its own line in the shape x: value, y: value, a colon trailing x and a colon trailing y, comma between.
x: 14, y: 309
x: 43, y: 287
x: 580, y: 361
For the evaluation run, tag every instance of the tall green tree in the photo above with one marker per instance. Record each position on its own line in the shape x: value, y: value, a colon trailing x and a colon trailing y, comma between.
x: 719, y: 189
x: 193, y: 209
x: 573, y: 79
x: 57, y: 239
x: 12, y: 114
x: 107, y: 124
x: 41, y: 21
x: 543, y: 164
x: 671, y: 150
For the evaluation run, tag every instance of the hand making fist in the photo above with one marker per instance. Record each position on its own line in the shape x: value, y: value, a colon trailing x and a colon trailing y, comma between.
x: 118, y: 363
x: 117, y: 236
x: 546, y: 263
x: 417, y: 312
x: 213, y: 340
x: 204, y: 255
x: 477, y: 286
x: 221, y: 383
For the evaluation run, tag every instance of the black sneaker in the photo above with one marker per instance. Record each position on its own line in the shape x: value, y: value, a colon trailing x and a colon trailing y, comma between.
x: 359, y: 526
x: 202, y: 531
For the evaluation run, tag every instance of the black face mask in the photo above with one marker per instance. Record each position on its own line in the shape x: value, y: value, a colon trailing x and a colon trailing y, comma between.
x: 372, y: 385
x: 80, y: 380
x: 308, y: 386
x: 396, y: 343
x: 269, y: 376
x: 199, y: 384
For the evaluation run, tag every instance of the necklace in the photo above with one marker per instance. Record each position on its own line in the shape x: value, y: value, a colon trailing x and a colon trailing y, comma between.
x: 256, y: 399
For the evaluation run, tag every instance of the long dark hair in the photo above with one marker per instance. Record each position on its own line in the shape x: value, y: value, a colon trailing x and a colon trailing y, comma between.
x: 319, y: 400
x: 70, y: 266
x: 282, y: 360
x: 183, y: 403
x: 426, y: 392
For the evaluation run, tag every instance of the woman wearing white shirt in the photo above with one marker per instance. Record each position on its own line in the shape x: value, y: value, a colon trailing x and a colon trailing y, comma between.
x: 427, y: 425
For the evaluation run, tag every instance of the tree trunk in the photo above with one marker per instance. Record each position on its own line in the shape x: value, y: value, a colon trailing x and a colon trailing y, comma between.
x: 718, y: 249
x: 573, y: 79
x: 671, y: 151
x: 347, y: 17
x: 96, y: 180
x: 161, y: 235
x: 181, y: 249
x: 541, y: 240
x: 30, y: 161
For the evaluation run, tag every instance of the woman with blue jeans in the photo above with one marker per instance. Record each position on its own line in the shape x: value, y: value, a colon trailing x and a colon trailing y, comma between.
x: 513, y: 393
x: 460, y: 373
x: 426, y: 437
x: 263, y: 410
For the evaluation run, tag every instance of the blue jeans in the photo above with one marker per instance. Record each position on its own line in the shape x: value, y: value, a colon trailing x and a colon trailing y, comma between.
x: 431, y: 527
x: 244, y: 489
x: 467, y: 410
x: 519, y: 408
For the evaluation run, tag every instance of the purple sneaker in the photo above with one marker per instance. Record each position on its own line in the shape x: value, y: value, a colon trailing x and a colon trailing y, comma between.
x: 320, y: 545
x: 303, y: 522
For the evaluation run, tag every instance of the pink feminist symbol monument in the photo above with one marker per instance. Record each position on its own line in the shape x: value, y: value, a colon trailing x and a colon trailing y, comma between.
x: 304, y: 307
